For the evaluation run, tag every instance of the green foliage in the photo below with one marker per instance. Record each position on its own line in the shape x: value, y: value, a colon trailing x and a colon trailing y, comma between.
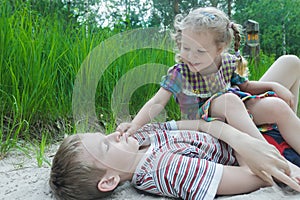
x: 279, y: 30
x: 116, y: 70
x: 39, y: 59
x: 40, y: 151
x: 258, y: 68
x: 43, y: 44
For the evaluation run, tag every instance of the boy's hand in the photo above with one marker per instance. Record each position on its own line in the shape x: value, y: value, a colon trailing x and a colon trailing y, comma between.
x: 265, y: 161
x: 128, y: 128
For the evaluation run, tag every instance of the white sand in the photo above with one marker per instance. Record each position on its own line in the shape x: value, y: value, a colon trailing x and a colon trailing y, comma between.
x: 20, y: 178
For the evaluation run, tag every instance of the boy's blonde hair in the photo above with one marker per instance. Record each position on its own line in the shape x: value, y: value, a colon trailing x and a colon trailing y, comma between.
x: 213, y: 20
x: 74, y: 176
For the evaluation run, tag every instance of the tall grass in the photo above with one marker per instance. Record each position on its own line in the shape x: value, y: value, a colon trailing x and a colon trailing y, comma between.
x: 39, y: 59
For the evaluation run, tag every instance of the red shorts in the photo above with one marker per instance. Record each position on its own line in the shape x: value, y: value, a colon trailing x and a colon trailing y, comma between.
x: 274, y: 137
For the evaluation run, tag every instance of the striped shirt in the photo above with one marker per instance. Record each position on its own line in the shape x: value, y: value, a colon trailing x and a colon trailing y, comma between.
x: 180, y: 163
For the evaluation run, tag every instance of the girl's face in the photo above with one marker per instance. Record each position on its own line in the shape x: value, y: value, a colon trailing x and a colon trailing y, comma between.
x: 198, y: 50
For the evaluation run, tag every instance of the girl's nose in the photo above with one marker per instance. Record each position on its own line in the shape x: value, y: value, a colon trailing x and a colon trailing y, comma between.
x: 190, y: 55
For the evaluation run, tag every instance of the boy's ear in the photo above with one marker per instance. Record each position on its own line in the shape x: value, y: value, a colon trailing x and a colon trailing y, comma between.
x: 107, y: 184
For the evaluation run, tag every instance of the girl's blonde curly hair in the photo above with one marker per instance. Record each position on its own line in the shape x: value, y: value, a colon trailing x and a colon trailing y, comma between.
x: 216, y: 21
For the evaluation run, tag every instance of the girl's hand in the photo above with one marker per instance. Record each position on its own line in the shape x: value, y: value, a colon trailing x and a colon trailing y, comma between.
x: 128, y: 128
x: 285, y: 94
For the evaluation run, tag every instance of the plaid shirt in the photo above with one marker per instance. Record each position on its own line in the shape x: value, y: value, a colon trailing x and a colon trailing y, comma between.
x: 191, y: 89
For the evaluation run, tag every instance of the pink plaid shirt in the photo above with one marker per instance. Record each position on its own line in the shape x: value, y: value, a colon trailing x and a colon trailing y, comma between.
x: 191, y: 89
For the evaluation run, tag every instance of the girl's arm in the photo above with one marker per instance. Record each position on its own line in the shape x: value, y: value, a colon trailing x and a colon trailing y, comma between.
x: 259, y: 87
x: 149, y: 111
x: 153, y: 107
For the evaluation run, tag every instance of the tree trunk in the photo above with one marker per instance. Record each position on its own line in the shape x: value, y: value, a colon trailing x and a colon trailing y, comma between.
x: 229, y: 8
x: 176, y: 7
x: 214, y: 3
x: 283, y: 39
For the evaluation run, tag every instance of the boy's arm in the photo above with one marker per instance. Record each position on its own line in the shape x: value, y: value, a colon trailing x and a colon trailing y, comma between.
x: 149, y: 111
x: 262, y: 158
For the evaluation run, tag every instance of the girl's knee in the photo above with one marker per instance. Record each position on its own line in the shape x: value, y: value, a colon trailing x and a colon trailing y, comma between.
x: 231, y: 101
x: 232, y: 98
x: 291, y: 61
x: 225, y: 103
x: 277, y: 107
x: 289, y: 57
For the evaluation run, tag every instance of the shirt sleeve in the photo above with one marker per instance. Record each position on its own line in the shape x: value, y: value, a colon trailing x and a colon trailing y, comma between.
x: 172, y: 81
x: 171, y: 125
x: 188, y: 178
x: 238, y: 79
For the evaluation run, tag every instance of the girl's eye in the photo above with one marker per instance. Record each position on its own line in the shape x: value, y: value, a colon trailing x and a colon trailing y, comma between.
x: 186, y: 48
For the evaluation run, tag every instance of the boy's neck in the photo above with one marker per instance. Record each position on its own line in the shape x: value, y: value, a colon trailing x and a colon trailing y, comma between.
x: 139, y: 156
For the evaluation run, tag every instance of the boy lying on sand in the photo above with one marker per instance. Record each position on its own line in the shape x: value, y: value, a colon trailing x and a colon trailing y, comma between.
x: 168, y: 159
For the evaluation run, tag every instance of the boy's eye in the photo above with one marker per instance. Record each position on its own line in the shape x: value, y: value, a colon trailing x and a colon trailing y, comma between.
x: 201, y: 51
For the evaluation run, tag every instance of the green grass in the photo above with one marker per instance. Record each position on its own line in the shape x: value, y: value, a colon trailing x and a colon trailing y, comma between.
x: 40, y: 151
x: 39, y: 60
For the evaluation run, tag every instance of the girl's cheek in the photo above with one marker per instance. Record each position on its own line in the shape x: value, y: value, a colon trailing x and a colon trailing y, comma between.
x: 183, y: 55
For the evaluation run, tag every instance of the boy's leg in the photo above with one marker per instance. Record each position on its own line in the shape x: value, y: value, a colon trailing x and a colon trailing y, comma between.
x: 238, y: 180
x: 286, y: 71
x: 277, y: 112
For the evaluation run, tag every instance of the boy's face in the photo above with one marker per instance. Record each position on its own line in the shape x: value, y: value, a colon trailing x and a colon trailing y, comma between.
x: 111, y: 152
x: 198, y: 50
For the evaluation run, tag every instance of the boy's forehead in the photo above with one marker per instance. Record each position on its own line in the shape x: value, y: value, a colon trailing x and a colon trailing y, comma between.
x: 91, y: 143
x: 92, y: 137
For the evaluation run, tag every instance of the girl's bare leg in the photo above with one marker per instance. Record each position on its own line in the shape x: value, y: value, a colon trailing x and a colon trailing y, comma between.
x: 230, y: 108
x: 280, y: 113
x: 286, y: 71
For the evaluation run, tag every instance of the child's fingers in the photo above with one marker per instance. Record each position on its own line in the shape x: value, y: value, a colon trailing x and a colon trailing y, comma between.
x: 122, y: 128
x: 264, y: 176
x: 283, y: 165
x: 130, y: 131
x: 287, y: 180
